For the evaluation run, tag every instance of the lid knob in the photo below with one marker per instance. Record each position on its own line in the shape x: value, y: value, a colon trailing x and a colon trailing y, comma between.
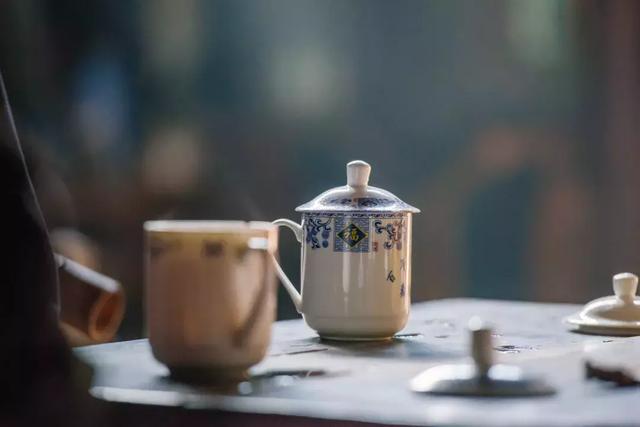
x: 358, y: 173
x: 625, y: 285
x: 481, y: 345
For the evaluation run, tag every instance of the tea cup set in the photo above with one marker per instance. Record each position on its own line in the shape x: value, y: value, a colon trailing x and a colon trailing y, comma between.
x: 211, y: 294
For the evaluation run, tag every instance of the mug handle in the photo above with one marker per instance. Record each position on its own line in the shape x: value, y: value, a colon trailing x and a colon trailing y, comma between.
x: 240, y: 336
x: 288, y: 286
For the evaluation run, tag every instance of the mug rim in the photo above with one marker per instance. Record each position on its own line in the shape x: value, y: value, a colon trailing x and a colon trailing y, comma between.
x: 206, y: 226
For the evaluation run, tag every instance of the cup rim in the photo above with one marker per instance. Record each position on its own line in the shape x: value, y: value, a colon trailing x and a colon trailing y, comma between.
x: 207, y: 226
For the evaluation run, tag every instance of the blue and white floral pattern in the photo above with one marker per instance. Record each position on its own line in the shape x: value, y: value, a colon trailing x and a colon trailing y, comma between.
x: 313, y: 226
x: 360, y: 202
x: 394, y: 231
x: 372, y: 215
x: 351, y: 230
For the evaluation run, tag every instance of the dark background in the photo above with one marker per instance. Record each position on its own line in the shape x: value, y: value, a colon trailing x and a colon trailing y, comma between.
x: 512, y: 125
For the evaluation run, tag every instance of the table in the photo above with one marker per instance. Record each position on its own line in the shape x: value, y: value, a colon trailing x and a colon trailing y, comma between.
x: 332, y: 383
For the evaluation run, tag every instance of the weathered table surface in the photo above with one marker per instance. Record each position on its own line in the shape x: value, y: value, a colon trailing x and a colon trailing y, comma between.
x: 367, y: 382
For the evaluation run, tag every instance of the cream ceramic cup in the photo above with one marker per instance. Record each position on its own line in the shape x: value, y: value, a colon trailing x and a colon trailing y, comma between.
x: 210, y: 295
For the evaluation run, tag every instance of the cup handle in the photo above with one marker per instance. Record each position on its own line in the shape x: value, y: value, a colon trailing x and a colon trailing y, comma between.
x: 240, y: 336
x: 288, y: 286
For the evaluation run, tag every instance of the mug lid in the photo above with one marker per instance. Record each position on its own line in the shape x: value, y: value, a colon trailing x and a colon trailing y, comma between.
x: 617, y: 314
x: 357, y: 195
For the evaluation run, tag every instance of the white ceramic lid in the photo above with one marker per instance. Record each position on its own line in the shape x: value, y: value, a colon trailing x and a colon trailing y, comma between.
x: 617, y: 314
x: 357, y: 195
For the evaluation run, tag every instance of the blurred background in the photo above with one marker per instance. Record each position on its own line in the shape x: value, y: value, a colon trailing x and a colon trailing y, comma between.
x: 512, y: 125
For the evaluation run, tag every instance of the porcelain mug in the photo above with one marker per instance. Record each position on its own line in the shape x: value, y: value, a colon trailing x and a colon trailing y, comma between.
x: 210, y: 295
x: 355, y: 260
